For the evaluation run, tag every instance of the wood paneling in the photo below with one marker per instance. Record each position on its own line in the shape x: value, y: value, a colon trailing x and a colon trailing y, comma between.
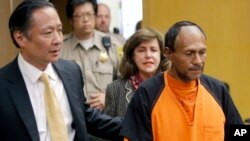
x: 7, y: 50
x: 60, y: 6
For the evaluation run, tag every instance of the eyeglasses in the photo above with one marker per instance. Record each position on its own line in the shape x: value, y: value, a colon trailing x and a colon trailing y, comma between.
x: 84, y: 16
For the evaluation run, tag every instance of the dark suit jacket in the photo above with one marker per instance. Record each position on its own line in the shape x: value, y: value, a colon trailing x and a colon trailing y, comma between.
x: 118, y: 96
x: 17, y: 120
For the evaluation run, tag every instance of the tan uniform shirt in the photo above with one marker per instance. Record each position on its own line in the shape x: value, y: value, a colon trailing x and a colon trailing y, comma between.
x: 98, y: 66
x: 117, y: 39
x: 119, y: 42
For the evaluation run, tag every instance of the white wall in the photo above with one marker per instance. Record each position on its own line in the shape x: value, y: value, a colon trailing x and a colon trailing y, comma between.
x: 131, y: 14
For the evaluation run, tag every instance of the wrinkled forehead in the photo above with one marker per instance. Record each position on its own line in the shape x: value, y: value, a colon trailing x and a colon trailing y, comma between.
x: 190, y: 36
x: 45, y: 16
x: 102, y: 8
x: 190, y: 31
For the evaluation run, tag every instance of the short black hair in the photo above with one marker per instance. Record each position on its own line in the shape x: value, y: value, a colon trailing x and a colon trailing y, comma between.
x: 21, y: 17
x: 71, y: 4
x: 174, y: 31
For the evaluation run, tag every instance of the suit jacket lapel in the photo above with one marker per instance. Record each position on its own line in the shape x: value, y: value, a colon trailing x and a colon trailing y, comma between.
x: 67, y: 83
x: 20, y: 97
x: 129, y: 93
x: 72, y: 95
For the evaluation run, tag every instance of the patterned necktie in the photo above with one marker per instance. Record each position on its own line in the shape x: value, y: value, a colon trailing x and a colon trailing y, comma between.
x: 57, y: 128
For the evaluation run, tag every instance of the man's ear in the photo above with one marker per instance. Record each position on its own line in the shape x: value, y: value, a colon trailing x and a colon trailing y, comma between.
x: 19, y: 38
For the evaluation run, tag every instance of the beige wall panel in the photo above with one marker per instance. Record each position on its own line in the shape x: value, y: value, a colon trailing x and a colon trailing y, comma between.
x: 7, y: 49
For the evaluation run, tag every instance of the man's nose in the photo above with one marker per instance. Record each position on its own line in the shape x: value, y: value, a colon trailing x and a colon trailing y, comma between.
x: 197, y: 59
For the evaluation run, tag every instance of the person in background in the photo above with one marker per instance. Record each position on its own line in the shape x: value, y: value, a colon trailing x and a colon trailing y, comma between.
x: 103, y: 20
x: 116, y: 30
x: 138, y: 25
x: 144, y: 56
x: 181, y: 104
x: 37, y: 76
x: 97, y: 60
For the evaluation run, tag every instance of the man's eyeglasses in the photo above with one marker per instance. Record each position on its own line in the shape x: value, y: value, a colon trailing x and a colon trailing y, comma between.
x: 84, y: 16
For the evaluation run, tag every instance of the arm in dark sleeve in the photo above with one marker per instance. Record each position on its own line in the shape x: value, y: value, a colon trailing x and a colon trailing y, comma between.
x: 137, y: 122
x: 231, y: 113
x: 101, y: 125
x: 97, y: 123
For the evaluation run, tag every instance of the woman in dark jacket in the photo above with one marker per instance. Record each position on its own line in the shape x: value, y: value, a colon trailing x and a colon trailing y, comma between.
x: 143, y: 57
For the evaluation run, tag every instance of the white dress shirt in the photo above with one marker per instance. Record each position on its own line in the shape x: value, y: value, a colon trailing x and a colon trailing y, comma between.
x: 35, y: 89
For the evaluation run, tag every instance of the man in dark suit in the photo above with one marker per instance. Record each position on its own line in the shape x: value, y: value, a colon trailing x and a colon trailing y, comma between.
x: 36, y: 30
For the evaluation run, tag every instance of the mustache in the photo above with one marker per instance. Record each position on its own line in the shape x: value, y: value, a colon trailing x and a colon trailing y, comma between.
x: 196, y: 68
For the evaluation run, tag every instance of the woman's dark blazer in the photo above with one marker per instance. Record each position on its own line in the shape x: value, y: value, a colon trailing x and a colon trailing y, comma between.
x: 118, y: 95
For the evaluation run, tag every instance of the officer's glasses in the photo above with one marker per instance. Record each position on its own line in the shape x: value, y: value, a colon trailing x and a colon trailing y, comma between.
x: 84, y: 16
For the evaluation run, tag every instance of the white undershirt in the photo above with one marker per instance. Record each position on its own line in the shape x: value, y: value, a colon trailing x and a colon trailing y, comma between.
x: 35, y: 89
x: 87, y: 43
